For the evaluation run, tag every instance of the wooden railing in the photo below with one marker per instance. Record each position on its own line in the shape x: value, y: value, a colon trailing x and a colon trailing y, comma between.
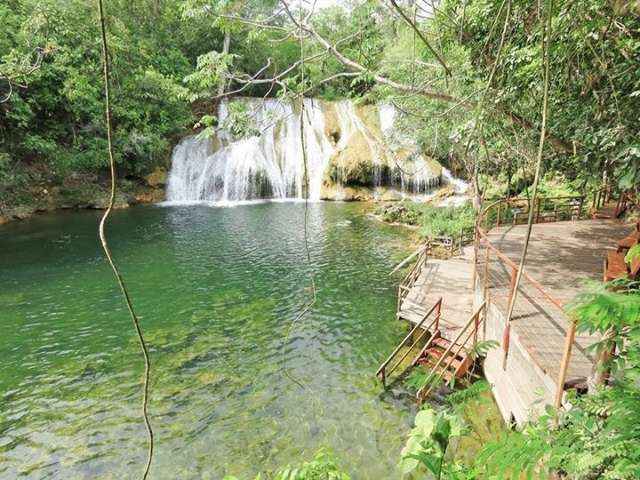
x: 623, y: 204
x: 605, y: 195
x: 470, y: 329
x: 451, y: 243
x: 516, y: 210
x: 530, y: 290
x: 384, y: 371
x: 600, y: 198
x: 410, y: 278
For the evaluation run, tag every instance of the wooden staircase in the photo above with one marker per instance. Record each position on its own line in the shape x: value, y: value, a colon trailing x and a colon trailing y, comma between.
x: 605, y: 208
x: 442, y: 358
x: 455, y: 362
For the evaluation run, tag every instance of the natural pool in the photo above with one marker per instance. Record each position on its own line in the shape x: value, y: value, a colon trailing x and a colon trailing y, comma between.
x: 217, y: 290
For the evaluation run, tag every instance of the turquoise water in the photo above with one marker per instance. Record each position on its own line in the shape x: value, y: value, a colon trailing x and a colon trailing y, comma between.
x: 238, y: 386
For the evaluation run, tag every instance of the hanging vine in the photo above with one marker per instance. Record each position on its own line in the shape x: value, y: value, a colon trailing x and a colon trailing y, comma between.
x: 546, y: 40
x: 105, y: 246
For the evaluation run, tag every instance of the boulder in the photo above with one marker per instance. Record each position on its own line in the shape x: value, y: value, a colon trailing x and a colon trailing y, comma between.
x: 390, y: 196
x: 157, y: 178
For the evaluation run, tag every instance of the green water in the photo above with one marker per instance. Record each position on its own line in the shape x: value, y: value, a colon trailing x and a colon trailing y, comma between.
x: 217, y: 290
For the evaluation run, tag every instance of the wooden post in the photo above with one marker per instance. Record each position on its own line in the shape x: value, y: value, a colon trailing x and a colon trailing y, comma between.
x: 498, y: 219
x: 580, y: 207
x: 486, y: 275
x: 476, y: 324
x: 438, y: 308
x: 564, y: 366
x: 506, y: 340
x: 512, y: 283
x: 507, y: 329
x: 537, y: 210
x: 476, y: 241
x: 485, y: 319
x: 602, y: 371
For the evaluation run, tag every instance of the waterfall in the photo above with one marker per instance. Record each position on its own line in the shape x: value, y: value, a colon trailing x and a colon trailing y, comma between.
x: 413, y: 174
x: 268, y: 164
x: 460, y: 186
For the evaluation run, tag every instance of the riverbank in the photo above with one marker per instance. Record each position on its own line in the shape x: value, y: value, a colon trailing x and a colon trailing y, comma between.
x: 41, y: 191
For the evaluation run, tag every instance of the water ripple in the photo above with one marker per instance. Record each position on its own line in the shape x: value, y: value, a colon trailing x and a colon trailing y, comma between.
x: 216, y: 290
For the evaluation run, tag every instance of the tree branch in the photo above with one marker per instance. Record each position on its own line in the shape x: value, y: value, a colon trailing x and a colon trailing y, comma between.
x: 420, y: 35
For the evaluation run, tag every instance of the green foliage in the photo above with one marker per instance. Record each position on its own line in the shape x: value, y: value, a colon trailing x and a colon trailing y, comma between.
x: 429, y: 440
x: 239, y: 122
x: 598, y: 436
x: 436, y: 221
x: 322, y: 467
x: 432, y: 221
x: 211, y: 71
x: 482, y: 347
x: 416, y: 379
x: 472, y: 392
x: 632, y: 254
x: 58, y: 118
x: 600, y: 309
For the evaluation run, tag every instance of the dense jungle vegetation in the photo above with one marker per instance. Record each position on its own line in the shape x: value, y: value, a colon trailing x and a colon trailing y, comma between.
x: 469, y: 81
x: 171, y: 59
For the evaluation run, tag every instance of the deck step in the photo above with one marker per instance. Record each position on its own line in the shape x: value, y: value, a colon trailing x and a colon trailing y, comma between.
x: 455, y: 364
x: 444, y: 344
x: 436, y: 353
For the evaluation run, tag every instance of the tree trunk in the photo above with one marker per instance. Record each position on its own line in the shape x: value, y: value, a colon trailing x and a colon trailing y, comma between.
x: 601, y: 370
x: 225, y: 49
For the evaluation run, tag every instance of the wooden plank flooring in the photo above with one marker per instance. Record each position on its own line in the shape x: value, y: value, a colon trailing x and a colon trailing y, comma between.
x: 449, y: 279
x: 562, y: 256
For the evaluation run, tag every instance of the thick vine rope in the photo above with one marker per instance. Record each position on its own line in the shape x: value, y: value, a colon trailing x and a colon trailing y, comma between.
x: 305, y: 192
x: 105, y: 245
x: 546, y: 40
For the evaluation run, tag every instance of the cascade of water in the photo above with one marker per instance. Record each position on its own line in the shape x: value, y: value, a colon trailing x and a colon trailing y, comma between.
x: 459, y: 185
x: 414, y: 174
x: 266, y: 165
x: 350, y: 126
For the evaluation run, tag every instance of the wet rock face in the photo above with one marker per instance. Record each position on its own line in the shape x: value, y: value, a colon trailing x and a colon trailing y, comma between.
x: 348, y: 146
x: 78, y: 191
x: 157, y: 178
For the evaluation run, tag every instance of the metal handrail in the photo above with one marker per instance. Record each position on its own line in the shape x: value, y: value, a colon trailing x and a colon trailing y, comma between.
x: 382, y: 370
x: 428, y: 383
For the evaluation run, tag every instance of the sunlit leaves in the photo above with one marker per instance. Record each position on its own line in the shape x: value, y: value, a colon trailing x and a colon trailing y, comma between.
x: 429, y: 440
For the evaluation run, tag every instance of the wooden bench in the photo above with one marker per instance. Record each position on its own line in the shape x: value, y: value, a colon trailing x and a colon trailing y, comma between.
x: 616, y: 267
x: 629, y: 241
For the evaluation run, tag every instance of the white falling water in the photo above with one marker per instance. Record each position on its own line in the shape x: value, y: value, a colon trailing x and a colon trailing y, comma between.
x: 267, y: 165
x: 415, y: 175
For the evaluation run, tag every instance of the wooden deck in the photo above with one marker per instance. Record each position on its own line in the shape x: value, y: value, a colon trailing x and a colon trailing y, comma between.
x: 449, y: 279
x: 562, y: 256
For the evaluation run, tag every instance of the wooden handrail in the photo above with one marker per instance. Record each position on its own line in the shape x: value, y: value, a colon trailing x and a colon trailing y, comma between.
x: 422, y: 392
x: 513, y: 265
x: 426, y: 330
x: 412, y: 275
x: 599, y: 199
x: 383, y: 367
